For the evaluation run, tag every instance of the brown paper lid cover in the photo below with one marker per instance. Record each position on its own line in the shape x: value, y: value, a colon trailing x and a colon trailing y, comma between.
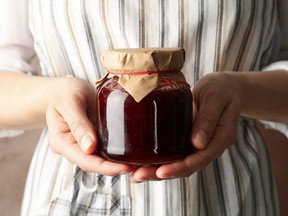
x: 143, y: 59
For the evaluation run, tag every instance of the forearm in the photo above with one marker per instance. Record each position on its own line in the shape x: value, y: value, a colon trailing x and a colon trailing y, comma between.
x: 264, y: 95
x: 24, y: 100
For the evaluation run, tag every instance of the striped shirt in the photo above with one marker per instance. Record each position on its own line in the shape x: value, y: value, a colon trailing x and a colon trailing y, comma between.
x: 217, y: 35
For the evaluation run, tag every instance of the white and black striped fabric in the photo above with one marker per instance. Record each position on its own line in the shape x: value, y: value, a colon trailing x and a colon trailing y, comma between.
x: 218, y: 35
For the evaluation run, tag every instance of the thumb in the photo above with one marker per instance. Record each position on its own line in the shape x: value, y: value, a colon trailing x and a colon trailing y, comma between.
x: 80, y: 126
x: 204, y: 124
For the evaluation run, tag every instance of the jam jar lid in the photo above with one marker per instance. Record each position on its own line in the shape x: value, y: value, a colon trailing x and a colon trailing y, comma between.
x: 143, y: 60
x: 140, y: 69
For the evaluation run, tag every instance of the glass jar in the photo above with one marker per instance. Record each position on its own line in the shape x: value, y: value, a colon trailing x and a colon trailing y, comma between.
x: 144, y: 112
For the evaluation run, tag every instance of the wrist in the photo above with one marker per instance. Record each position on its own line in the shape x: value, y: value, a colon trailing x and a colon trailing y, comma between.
x: 236, y: 81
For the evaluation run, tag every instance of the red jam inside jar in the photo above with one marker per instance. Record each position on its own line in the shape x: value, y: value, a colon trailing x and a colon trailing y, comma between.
x: 154, y: 131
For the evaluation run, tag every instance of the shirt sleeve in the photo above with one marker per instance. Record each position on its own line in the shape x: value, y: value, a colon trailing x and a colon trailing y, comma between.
x: 282, y: 127
x: 16, y: 41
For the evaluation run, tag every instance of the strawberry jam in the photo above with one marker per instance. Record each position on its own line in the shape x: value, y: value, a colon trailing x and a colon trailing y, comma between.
x: 155, y: 130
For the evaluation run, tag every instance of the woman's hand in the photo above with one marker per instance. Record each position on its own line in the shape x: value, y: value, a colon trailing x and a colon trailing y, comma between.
x: 70, y: 122
x: 217, y: 108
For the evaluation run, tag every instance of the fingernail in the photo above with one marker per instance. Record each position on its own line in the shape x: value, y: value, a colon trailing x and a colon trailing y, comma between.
x: 200, y: 139
x: 124, y: 172
x: 132, y: 179
x: 165, y: 176
x: 86, y: 142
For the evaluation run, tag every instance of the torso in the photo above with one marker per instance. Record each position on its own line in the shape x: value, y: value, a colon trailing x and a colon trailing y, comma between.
x: 217, y: 35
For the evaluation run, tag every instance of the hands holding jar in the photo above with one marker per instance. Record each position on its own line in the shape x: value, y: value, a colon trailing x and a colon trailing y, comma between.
x: 150, y: 126
x: 218, y: 100
x: 72, y: 134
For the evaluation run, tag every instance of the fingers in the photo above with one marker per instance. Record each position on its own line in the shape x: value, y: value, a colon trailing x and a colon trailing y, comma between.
x: 63, y: 142
x: 145, y: 173
x: 74, y: 112
x: 92, y: 163
x: 223, y: 137
x: 191, y: 164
